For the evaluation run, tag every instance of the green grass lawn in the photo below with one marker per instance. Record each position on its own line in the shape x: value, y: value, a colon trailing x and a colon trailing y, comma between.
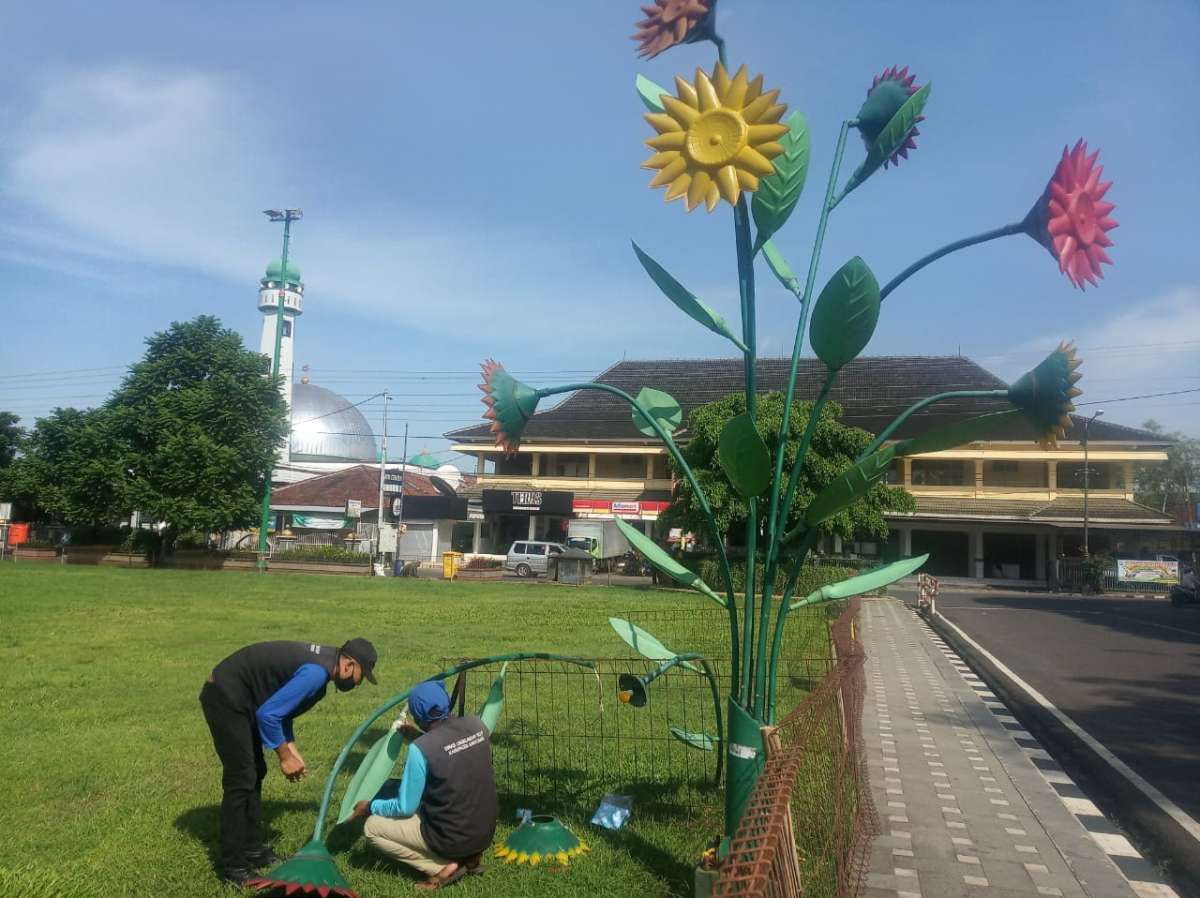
x: 113, y: 783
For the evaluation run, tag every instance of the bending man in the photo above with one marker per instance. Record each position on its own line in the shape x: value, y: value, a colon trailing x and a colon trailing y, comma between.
x: 445, y: 815
x: 250, y: 701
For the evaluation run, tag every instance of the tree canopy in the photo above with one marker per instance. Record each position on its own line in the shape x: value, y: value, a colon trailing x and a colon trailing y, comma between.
x: 1170, y: 486
x: 834, y: 448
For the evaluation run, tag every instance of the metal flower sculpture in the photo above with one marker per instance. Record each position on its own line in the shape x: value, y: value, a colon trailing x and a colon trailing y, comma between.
x: 671, y: 22
x: 716, y: 138
x: 1072, y: 218
x: 510, y: 405
x: 722, y: 138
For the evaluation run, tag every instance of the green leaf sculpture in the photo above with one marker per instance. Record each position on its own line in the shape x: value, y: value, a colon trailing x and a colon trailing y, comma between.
x: 374, y: 770
x: 644, y: 643
x: 494, y: 703
x: 661, y: 407
x: 873, y: 579
x: 685, y: 299
x: 699, y: 741
x: 892, y: 138
x: 744, y: 456
x: 651, y: 93
x: 849, y: 486
x: 959, y: 433
x: 846, y: 313
x: 778, y: 192
x: 780, y: 268
x: 658, y: 557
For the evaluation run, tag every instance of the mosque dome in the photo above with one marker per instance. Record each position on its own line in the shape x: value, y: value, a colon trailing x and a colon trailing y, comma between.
x: 327, y: 428
x: 424, y: 460
x: 275, y: 272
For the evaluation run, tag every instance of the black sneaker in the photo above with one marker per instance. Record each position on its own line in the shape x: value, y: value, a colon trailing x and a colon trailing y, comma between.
x: 238, y: 877
x: 262, y: 857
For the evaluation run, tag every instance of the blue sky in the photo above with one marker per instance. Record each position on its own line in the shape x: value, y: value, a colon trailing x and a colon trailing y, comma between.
x: 470, y: 178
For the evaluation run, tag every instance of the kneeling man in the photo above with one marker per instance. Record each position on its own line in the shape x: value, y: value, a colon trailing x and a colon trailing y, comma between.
x: 445, y: 815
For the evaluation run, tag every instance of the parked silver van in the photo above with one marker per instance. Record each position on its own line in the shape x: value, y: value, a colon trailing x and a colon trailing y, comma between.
x: 528, y: 557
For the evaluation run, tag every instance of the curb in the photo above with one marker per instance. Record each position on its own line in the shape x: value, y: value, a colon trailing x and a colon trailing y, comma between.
x: 1031, y: 725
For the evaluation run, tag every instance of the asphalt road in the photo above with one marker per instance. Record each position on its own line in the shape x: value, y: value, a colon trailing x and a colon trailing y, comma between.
x: 1126, y: 670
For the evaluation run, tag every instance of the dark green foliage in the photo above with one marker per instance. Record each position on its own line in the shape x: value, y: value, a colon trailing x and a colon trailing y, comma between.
x: 336, y: 554
x: 834, y: 448
x: 812, y: 576
x: 1170, y: 486
x: 10, y: 438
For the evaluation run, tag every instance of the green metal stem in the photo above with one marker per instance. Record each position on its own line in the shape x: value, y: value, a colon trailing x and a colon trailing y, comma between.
x: 719, y: 42
x: 399, y: 697
x: 781, y: 618
x: 718, y: 541
x: 745, y: 262
x: 1006, y: 231
x: 265, y: 517
x: 916, y: 407
x: 716, y: 697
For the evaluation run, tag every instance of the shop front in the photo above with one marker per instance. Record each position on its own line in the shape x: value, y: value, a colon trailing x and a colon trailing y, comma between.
x: 523, y: 514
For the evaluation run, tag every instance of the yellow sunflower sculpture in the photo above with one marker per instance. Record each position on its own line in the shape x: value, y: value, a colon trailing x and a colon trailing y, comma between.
x: 716, y: 138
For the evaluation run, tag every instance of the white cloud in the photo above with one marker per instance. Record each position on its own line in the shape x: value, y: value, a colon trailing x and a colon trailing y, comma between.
x: 1154, y: 347
x: 171, y: 168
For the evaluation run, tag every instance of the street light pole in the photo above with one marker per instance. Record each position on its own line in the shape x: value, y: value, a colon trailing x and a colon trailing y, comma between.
x: 1086, y: 424
x: 287, y: 216
x: 382, y: 468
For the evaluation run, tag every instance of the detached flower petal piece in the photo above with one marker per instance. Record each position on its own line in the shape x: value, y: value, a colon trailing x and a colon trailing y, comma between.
x: 1072, y: 219
x: 1045, y: 394
x: 885, y: 96
x: 510, y: 405
x: 716, y: 138
x: 671, y: 22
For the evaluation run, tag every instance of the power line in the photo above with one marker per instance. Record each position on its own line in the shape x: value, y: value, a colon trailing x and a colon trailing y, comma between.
x: 1145, y: 396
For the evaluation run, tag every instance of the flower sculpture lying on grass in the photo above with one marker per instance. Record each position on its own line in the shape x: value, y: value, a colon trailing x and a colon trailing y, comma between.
x: 1071, y: 218
x: 510, y: 405
x: 670, y: 22
x: 885, y: 96
x: 716, y: 138
x: 1045, y: 393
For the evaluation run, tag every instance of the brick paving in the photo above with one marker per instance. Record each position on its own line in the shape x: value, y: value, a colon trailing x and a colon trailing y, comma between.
x: 965, y: 809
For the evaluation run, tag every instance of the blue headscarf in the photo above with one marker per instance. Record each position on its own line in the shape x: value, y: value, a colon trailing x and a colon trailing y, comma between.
x: 429, y: 702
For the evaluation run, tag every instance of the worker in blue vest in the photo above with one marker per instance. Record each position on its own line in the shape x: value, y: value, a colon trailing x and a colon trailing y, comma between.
x: 249, y: 702
x: 446, y: 811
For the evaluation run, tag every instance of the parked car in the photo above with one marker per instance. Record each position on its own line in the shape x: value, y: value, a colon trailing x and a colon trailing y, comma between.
x: 527, y: 558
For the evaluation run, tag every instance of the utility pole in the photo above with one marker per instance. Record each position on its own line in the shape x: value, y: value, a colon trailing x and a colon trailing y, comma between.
x: 387, y: 397
x: 1086, y: 424
x: 400, y: 506
x: 287, y: 216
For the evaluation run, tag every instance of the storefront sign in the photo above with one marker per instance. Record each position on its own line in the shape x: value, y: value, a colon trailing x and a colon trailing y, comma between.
x: 627, y: 508
x: 393, y: 481
x: 1163, y: 572
x: 530, y: 501
x: 354, y: 508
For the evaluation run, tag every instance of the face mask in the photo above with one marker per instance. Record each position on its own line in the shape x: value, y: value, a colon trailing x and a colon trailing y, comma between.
x: 344, y: 684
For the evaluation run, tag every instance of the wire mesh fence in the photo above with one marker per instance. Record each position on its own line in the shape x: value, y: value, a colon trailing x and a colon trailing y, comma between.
x: 808, y: 825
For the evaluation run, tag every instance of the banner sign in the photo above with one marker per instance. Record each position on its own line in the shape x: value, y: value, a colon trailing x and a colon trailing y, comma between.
x: 1163, y: 572
x: 531, y: 501
x: 626, y: 507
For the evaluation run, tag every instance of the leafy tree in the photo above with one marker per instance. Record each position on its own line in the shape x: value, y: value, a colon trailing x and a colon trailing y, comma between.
x: 10, y: 438
x: 1170, y: 486
x: 198, y: 424
x: 72, y: 468
x: 834, y: 447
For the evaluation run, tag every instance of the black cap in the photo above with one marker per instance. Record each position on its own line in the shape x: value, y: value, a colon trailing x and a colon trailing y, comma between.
x: 364, y: 653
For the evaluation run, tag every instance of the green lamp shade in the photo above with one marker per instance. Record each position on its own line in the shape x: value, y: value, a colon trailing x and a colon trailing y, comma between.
x: 311, y: 871
x: 631, y: 690
x: 541, y: 840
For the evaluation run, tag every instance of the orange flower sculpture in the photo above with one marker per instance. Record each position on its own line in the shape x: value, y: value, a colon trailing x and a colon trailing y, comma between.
x: 669, y: 22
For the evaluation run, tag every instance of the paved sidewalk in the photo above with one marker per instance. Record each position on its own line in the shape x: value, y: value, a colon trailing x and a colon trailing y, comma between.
x: 962, y: 791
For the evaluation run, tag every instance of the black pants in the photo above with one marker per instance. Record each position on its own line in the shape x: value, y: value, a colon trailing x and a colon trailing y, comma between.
x: 239, y: 746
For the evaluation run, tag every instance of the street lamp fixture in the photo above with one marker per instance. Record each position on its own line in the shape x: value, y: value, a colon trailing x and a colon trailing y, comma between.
x: 287, y: 216
x: 1087, y: 424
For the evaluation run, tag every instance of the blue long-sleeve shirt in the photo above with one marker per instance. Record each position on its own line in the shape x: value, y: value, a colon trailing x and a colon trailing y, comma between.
x: 412, y: 787
x: 275, y: 716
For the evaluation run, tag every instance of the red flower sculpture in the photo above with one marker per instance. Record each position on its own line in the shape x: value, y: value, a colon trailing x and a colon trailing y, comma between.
x: 670, y: 22
x: 1071, y: 219
x: 885, y: 96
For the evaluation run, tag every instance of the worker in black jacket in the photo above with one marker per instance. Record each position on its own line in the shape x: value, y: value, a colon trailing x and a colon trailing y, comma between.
x: 250, y: 701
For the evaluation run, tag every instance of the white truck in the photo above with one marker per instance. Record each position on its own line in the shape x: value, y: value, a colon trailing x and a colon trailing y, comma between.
x: 610, y: 542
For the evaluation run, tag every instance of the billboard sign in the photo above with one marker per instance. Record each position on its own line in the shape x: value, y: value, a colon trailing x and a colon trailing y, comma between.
x: 1162, y: 572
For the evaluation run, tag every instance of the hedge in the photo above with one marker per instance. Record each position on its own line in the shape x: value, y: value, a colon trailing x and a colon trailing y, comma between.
x: 321, y: 553
x: 812, y: 576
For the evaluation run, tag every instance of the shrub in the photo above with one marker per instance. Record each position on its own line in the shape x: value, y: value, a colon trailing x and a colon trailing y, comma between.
x: 37, y: 543
x: 482, y: 564
x: 812, y: 576
x: 333, y: 554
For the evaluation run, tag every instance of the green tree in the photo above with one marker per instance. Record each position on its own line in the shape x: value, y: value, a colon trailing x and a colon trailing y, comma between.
x: 198, y: 424
x: 1170, y: 486
x: 10, y: 438
x: 71, y: 468
x: 835, y: 446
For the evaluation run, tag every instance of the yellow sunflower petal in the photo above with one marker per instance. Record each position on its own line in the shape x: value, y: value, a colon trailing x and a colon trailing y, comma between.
x: 680, y: 111
x: 698, y: 189
x: 712, y: 197
x: 754, y: 89
x: 769, y: 150
x: 746, y: 180
x: 720, y: 81
x: 755, y: 109
x: 662, y: 123
x: 763, y: 133
x: 562, y: 858
x: 535, y: 859
x: 670, y: 173
x: 706, y: 92
x: 735, y: 97
x: 754, y: 161
x: 672, y: 140
x: 774, y: 114
x: 727, y: 181
x: 662, y: 160
x: 686, y: 92
x: 678, y: 187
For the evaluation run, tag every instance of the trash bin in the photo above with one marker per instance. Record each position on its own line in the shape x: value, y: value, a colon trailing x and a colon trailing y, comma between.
x: 398, y: 567
x: 450, y: 564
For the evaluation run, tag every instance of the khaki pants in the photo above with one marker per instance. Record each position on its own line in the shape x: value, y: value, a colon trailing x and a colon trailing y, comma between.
x: 401, y: 840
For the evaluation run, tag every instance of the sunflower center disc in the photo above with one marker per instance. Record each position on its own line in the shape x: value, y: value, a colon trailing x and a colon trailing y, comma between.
x: 716, y: 137
x: 1083, y: 217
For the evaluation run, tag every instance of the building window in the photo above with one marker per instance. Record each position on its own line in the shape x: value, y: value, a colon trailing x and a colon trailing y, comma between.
x: 562, y: 464
x: 895, y: 472
x: 521, y: 463
x: 934, y: 472
x: 1012, y: 473
x: 621, y: 467
x: 287, y: 327
x: 1101, y: 475
x: 662, y: 470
